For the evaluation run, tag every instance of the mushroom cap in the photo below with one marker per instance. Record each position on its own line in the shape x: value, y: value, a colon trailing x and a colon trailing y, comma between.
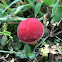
x: 30, y: 30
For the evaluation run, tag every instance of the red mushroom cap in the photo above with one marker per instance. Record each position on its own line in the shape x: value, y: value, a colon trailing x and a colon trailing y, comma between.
x: 30, y: 30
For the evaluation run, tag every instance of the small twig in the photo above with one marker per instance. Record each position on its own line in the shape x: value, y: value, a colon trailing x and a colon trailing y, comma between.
x: 55, y: 30
x: 41, y: 41
x: 4, y: 58
x: 46, y: 37
x: 50, y: 58
x: 13, y: 22
x: 35, y: 46
x: 7, y: 56
x: 58, y: 38
x: 57, y: 33
x: 21, y: 1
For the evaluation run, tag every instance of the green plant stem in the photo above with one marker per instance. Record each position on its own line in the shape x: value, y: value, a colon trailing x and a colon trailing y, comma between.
x: 40, y: 18
x: 42, y: 14
x: 20, y: 18
x: 8, y: 51
x: 9, y: 19
x: 57, y: 5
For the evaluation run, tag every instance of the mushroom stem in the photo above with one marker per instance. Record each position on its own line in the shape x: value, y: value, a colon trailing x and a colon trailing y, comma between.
x: 33, y: 43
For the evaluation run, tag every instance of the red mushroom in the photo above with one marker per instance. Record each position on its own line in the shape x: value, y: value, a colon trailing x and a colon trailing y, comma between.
x: 30, y: 30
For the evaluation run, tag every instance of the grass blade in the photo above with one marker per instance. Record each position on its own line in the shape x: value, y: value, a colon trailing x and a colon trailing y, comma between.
x: 10, y: 5
x: 5, y: 6
x: 20, y: 7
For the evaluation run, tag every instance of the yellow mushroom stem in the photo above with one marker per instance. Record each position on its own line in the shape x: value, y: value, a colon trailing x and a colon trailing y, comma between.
x: 33, y: 43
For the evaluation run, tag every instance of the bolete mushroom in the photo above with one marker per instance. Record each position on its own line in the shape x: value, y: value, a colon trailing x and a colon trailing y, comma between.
x: 30, y: 30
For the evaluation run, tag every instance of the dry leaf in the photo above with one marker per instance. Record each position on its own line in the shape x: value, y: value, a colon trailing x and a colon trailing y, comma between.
x: 55, y: 49
x: 39, y: 1
x: 12, y: 60
x: 58, y: 57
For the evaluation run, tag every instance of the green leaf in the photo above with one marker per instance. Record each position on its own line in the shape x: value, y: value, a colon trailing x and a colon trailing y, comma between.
x: 20, y: 7
x: 13, y: 10
x: 18, y: 53
x: 21, y: 54
x: 33, y: 1
x: 2, y: 15
x: 37, y: 8
x: 4, y: 26
x: 29, y: 1
x: 4, y: 2
x: 0, y: 22
x: 56, y: 40
x: 11, y: 38
x: 4, y: 6
x: 48, y: 2
x: 7, y: 33
x: 55, y: 1
x: 25, y: 9
x: 10, y: 5
x: 31, y: 55
x: 18, y: 45
x: 58, y: 15
x: 55, y: 7
x: 27, y: 48
x: 1, y: 10
x: 60, y: 49
x: 43, y: 42
x: 3, y: 40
